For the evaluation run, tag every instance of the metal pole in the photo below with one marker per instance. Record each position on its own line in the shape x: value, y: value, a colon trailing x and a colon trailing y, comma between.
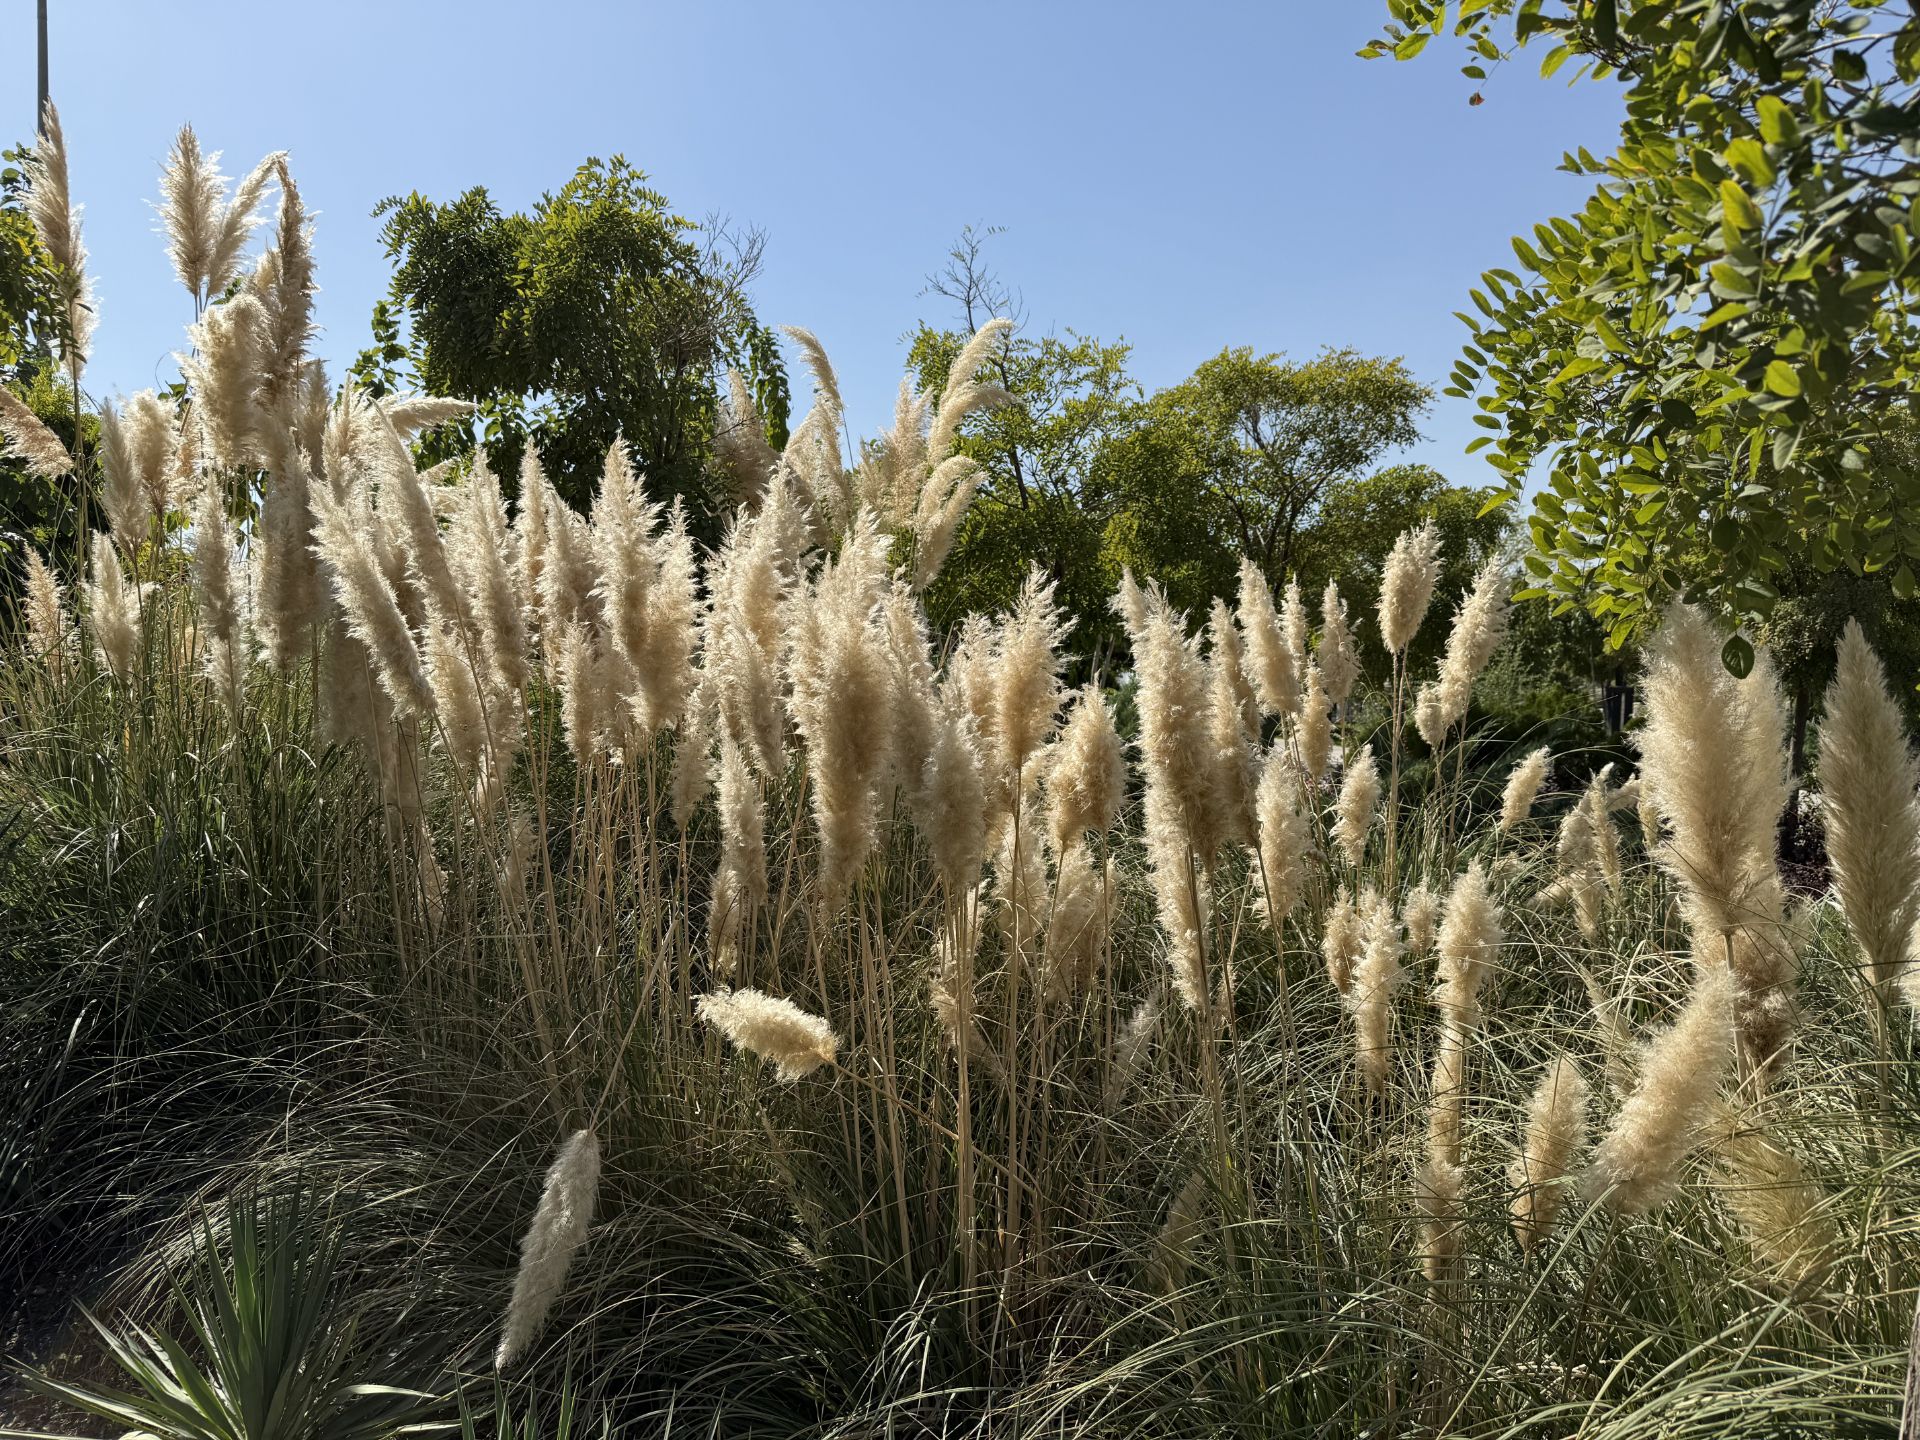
x: 40, y: 116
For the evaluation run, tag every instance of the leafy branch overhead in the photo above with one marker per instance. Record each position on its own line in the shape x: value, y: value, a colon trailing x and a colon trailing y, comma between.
x: 1698, y: 364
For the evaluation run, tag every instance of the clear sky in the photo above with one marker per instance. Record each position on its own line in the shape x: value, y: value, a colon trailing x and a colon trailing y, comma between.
x: 1185, y: 175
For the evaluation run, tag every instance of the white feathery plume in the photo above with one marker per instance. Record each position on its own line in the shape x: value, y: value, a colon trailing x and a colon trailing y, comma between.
x: 56, y: 220
x: 29, y: 441
x: 1285, y: 838
x: 1868, y: 779
x: 546, y: 1253
x: 1353, y: 812
x: 1550, y: 1149
x: 1270, y: 658
x: 1406, y: 585
x: 1338, y: 655
x: 1636, y: 1167
x: 1479, y: 625
x: 49, y: 628
x: 112, y: 610
x: 1523, y: 788
x: 771, y: 1028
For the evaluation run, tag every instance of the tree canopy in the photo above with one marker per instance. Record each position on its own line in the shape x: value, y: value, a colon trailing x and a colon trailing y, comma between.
x: 598, y: 314
x: 1703, y: 356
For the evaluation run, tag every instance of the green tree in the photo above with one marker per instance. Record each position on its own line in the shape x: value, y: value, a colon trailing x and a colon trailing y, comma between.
x: 599, y: 314
x: 1703, y: 356
x: 1239, y: 458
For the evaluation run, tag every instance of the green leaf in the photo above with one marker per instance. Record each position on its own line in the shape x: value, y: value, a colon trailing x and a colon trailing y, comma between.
x: 1777, y: 123
x: 1738, y: 206
x: 1903, y: 583
x: 1782, y: 378
x: 1748, y: 157
x: 1737, y: 656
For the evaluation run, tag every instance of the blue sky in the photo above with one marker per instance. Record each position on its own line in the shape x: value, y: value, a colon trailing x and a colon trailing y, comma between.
x: 1185, y: 176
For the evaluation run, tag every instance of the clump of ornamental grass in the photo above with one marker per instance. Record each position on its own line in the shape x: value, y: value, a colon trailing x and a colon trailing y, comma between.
x: 561, y: 801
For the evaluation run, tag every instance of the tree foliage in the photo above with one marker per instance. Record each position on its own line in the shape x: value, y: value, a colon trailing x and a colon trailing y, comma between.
x: 1703, y: 356
x: 598, y: 314
x: 1239, y: 458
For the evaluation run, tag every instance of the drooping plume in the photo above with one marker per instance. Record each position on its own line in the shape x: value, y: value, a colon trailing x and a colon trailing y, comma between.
x: 546, y: 1253
x: 29, y: 440
x: 1523, y: 788
x: 772, y: 1029
x: 1636, y: 1167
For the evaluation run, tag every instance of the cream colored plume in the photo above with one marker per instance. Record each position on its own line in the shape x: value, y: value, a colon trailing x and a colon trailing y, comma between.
x: 49, y: 627
x: 1468, y: 946
x: 219, y: 609
x: 1086, y: 772
x: 1523, y: 788
x: 1353, y: 811
x: 1285, y: 838
x: 223, y: 371
x: 1315, y: 734
x: 1376, y: 979
x: 1714, y: 754
x: 740, y: 445
x: 1550, y: 1151
x: 56, y: 220
x: 772, y: 1029
x: 837, y: 655
x: 1338, y: 655
x: 1869, y: 778
x: 1479, y: 625
x: 1270, y: 658
x: 29, y: 441
x: 1637, y: 1166
x: 113, y: 610
x: 546, y: 1253
x: 1343, y: 936
x: 1406, y: 585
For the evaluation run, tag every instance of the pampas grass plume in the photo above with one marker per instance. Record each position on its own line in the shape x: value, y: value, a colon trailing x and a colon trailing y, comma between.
x: 1869, y: 776
x: 1636, y: 1167
x: 546, y: 1253
x: 772, y: 1029
x: 1523, y: 788
x: 1550, y: 1148
x: 1353, y: 813
x: 29, y: 441
x: 1406, y: 585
